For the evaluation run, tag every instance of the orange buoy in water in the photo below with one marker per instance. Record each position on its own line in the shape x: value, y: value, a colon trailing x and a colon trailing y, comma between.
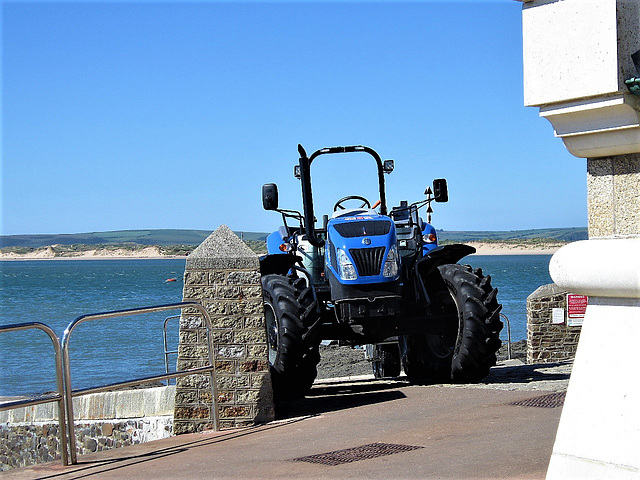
x: 171, y: 280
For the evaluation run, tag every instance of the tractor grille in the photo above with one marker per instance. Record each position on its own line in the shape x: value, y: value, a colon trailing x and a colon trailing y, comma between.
x: 368, y: 260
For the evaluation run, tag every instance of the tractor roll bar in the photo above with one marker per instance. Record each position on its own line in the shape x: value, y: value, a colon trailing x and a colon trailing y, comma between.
x: 305, y: 178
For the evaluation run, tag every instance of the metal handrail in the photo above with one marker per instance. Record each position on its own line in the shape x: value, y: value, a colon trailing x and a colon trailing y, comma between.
x: 166, y: 351
x: 69, y: 393
x: 58, y: 397
x: 508, y: 335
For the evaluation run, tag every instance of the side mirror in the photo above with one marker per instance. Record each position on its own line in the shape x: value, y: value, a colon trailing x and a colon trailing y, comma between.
x: 440, y: 192
x: 270, y: 196
x: 387, y: 166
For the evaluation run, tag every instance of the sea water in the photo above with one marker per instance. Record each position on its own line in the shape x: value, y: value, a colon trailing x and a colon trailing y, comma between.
x: 55, y: 292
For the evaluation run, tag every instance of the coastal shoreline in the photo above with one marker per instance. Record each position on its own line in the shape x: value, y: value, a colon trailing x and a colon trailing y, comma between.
x: 499, y: 248
x: 153, y: 253
x: 25, y: 258
x: 48, y: 253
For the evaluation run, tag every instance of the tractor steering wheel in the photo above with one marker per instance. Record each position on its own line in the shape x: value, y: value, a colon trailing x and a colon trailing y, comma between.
x: 338, y: 204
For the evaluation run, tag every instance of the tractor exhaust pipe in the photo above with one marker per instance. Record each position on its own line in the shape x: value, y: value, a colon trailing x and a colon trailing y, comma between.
x: 307, y: 199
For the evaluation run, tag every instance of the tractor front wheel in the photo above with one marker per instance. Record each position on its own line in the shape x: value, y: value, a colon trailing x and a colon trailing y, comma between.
x: 293, y: 363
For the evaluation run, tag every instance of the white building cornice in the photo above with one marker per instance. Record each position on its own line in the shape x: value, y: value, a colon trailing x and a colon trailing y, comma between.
x: 598, y: 126
x: 577, y: 57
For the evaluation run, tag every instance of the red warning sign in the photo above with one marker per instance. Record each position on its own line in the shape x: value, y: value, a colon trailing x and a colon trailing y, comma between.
x: 576, y: 306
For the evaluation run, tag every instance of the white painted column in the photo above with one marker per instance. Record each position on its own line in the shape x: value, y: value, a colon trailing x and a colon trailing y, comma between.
x: 577, y: 56
x: 599, y: 432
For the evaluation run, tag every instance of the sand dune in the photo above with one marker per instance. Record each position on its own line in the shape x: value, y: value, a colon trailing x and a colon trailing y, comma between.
x: 48, y: 253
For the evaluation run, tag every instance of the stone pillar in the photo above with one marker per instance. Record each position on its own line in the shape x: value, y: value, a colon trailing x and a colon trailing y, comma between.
x: 224, y: 275
x: 577, y: 56
x: 613, y: 187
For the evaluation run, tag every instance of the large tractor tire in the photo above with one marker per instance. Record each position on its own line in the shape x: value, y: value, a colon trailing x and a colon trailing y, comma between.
x: 289, y: 307
x: 465, y: 349
x: 423, y: 364
x: 385, y: 360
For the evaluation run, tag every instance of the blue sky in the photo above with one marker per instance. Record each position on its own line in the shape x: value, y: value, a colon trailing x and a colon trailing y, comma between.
x: 172, y: 115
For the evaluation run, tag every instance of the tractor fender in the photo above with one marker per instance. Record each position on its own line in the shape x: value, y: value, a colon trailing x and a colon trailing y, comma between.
x: 277, y: 263
x: 441, y: 255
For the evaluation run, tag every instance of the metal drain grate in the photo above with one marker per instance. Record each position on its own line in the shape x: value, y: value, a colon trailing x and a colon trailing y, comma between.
x: 551, y: 400
x: 355, y: 454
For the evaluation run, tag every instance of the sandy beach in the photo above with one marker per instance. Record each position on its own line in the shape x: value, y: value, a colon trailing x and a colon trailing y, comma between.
x: 514, y: 249
x: 153, y: 252
x: 48, y: 253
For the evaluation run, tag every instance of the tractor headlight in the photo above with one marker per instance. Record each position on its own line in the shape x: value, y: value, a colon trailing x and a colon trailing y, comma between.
x: 391, y: 264
x: 429, y: 238
x: 346, y: 270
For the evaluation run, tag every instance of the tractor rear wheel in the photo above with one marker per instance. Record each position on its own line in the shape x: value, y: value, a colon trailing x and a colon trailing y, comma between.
x: 426, y: 357
x: 287, y: 304
x: 386, y: 360
x: 465, y: 349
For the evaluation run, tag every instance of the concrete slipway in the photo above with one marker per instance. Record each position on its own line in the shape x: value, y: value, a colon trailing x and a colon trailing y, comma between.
x: 459, y: 431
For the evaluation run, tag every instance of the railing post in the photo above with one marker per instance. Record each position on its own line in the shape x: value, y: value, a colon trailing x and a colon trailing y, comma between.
x: 69, y: 393
x: 166, y: 344
x: 68, y: 402
x: 506, y: 319
x: 59, y: 398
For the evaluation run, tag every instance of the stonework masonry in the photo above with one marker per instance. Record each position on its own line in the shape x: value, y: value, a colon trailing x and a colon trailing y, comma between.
x: 613, y: 185
x: 107, y: 420
x: 548, y: 342
x: 24, y: 444
x: 223, y: 274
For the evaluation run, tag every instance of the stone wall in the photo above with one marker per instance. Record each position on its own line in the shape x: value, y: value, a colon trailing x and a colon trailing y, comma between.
x: 223, y: 274
x: 546, y: 341
x: 25, y: 444
x: 29, y: 435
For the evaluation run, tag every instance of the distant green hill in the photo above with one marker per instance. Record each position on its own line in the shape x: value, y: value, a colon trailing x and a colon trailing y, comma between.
x: 161, y: 237
x: 557, y: 234
x: 167, y: 237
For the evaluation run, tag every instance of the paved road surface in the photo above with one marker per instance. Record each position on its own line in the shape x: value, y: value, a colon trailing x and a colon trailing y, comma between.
x: 460, y: 432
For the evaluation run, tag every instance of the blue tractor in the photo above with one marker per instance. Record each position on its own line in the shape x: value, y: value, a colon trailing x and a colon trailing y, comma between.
x: 371, y: 277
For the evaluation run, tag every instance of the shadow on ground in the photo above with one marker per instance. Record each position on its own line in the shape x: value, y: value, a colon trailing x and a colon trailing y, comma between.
x: 340, y: 395
x: 329, y: 396
x: 528, y: 373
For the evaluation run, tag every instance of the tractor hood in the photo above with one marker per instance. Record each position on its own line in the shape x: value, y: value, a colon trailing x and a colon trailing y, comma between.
x: 362, y: 248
